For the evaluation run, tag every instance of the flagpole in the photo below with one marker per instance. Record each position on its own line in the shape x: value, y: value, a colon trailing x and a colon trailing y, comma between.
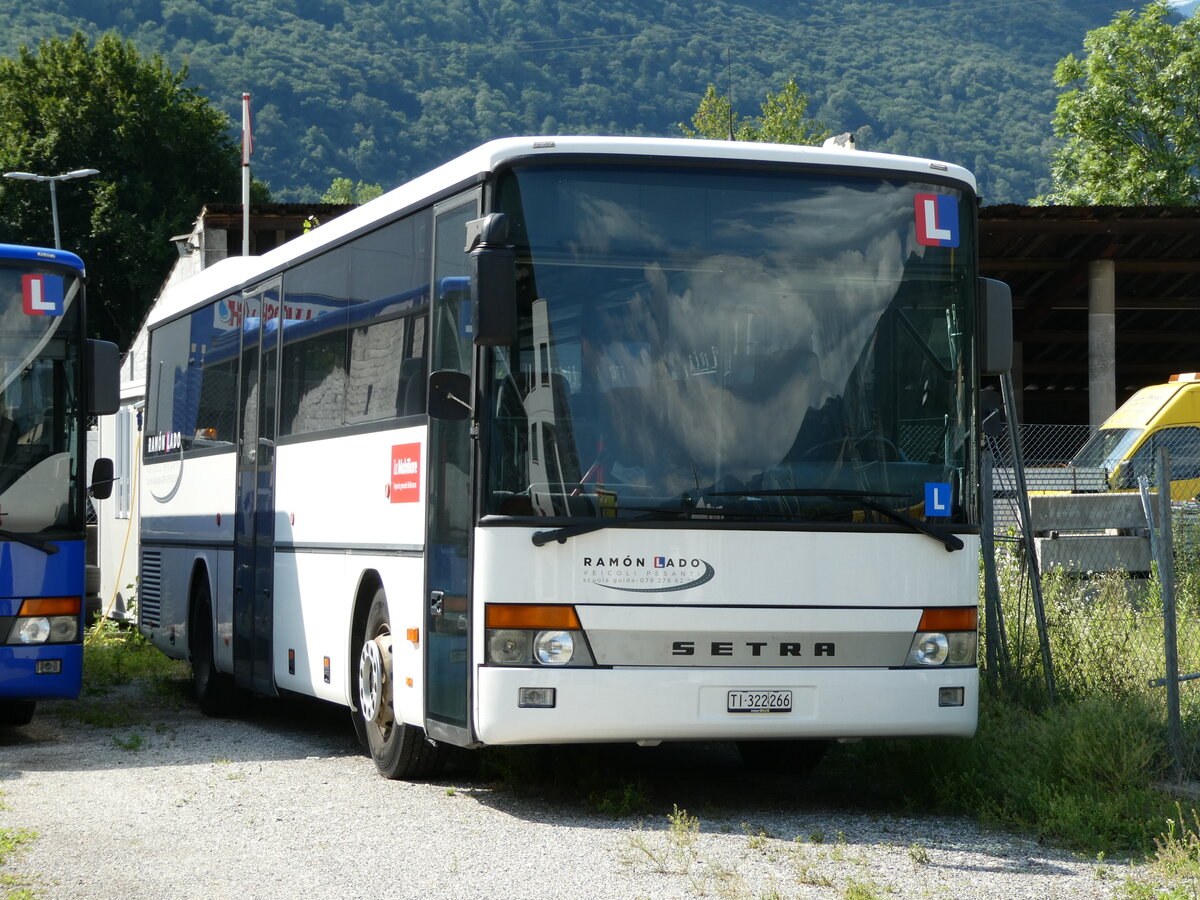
x: 247, y: 149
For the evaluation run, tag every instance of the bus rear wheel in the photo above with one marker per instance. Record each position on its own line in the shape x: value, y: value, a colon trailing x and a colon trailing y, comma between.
x: 399, y: 750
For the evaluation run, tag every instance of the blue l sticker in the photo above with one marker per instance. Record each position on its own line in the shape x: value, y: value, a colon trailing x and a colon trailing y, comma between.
x: 937, y: 498
x: 937, y: 220
x: 42, y: 295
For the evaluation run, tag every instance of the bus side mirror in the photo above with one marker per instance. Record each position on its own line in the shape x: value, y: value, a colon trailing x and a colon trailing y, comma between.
x: 102, y: 479
x: 104, y: 379
x: 995, y: 346
x: 449, y: 395
x: 493, y: 281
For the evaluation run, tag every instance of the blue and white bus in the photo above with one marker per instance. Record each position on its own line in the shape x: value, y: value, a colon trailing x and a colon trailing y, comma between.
x: 51, y: 379
x: 587, y: 439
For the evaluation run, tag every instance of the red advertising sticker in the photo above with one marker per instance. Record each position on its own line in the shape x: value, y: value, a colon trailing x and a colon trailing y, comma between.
x: 406, y: 473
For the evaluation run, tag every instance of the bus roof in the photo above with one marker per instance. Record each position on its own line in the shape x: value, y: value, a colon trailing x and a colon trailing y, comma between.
x: 40, y: 255
x: 494, y: 154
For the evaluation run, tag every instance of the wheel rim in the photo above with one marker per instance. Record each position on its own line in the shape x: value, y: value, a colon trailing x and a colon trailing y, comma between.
x: 374, y: 666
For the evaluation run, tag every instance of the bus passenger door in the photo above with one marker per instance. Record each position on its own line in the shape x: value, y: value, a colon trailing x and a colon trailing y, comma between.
x: 254, y: 525
x: 450, y: 514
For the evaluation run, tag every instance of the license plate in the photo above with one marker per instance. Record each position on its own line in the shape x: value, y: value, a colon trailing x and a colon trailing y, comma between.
x: 769, y: 701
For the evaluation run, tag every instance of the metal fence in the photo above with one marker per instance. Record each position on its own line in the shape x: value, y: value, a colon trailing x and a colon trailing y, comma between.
x: 1092, y: 587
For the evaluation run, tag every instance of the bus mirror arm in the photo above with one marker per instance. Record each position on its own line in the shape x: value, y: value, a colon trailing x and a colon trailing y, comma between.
x: 446, y: 390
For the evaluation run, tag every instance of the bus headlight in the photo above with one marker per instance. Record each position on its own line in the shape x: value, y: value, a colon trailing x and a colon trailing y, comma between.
x: 33, y: 630
x: 554, y: 648
x: 945, y: 637
x: 929, y: 649
x: 46, y: 620
x: 508, y: 647
x: 520, y: 634
x: 63, y: 629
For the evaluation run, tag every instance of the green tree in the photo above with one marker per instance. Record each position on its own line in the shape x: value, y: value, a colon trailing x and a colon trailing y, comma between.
x: 343, y: 190
x: 162, y: 150
x: 1131, y: 115
x: 782, y: 120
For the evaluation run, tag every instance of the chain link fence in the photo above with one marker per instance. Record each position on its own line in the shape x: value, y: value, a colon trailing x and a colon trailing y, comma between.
x: 1095, y: 589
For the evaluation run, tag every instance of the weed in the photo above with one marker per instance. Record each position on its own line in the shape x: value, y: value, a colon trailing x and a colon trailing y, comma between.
x: 757, y: 839
x: 1177, y: 857
x: 133, y: 743
x: 103, y: 714
x: 12, y: 839
x: 810, y: 876
x: 679, y: 854
x: 721, y: 880
x: 116, y: 655
x: 918, y: 854
x: 682, y: 829
x: 619, y: 801
x: 860, y: 890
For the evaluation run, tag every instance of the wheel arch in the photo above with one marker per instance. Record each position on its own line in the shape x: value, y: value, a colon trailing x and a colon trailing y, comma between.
x: 369, y: 581
x: 200, y: 575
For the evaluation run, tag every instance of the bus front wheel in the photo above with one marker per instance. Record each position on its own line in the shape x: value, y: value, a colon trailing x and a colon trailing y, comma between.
x: 16, y: 712
x: 399, y: 750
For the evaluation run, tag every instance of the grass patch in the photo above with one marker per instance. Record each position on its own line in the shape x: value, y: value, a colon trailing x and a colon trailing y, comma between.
x: 11, y: 840
x: 15, y: 887
x: 117, y: 656
x: 1081, y: 776
x: 131, y: 744
x: 1085, y: 772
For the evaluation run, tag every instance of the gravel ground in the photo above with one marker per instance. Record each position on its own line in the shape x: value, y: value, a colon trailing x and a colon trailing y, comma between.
x: 279, y: 803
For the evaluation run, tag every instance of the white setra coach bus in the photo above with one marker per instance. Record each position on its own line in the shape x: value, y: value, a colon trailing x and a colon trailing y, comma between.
x: 587, y: 439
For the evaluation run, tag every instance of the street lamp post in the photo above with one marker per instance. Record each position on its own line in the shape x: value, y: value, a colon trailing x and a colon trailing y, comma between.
x: 53, y: 179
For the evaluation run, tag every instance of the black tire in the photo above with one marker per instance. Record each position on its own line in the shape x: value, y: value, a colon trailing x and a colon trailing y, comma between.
x: 16, y: 712
x: 783, y: 757
x: 399, y: 750
x: 214, y: 691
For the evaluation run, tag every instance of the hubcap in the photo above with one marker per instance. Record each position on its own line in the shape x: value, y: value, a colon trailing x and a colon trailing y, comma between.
x: 374, y: 686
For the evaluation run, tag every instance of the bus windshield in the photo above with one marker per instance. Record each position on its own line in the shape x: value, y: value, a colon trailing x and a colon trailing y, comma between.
x: 40, y: 340
x: 712, y: 343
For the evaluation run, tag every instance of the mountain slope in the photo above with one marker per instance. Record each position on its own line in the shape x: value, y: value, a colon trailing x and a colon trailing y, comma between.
x: 380, y: 90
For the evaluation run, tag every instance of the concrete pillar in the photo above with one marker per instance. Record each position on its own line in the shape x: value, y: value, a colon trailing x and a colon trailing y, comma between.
x: 1102, y: 341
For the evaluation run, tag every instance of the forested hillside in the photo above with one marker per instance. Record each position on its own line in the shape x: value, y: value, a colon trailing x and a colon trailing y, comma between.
x: 379, y: 90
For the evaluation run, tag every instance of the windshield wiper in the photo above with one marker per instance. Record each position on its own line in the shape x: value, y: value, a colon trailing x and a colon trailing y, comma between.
x: 541, y: 538
x: 948, y: 539
x: 45, y: 546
